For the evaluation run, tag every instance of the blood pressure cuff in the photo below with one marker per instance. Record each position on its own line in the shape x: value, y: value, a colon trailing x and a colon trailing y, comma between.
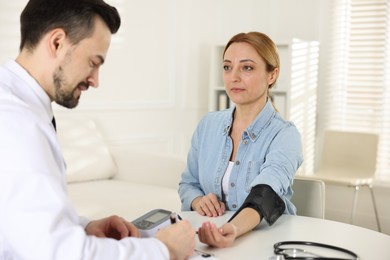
x: 265, y: 201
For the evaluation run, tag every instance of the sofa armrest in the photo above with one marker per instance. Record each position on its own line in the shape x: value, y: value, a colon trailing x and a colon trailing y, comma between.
x: 148, y: 168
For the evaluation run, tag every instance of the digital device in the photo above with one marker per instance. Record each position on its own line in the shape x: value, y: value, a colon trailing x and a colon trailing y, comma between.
x: 149, y: 223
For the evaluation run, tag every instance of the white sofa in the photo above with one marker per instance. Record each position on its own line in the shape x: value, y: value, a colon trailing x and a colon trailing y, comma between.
x: 105, y: 180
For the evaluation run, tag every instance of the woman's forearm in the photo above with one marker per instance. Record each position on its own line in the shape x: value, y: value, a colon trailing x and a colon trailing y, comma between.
x: 246, y: 220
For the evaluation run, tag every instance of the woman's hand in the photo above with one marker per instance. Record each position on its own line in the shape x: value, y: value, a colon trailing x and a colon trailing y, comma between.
x: 218, y: 237
x: 208, y: 205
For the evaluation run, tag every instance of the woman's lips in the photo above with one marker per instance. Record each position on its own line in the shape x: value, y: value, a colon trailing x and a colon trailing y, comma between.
x: 237, y: 90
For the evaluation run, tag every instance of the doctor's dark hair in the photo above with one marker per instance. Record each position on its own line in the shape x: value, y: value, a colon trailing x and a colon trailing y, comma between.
x: 75, y: 17
x: 263, y: 45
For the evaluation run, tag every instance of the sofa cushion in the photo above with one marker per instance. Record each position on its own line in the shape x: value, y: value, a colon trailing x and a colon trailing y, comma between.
x: 156, y: 168
x: 99, y: 199
x: 86, y: 155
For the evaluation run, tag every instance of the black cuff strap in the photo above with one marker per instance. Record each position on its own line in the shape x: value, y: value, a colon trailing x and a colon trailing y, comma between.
x: 265, y: 201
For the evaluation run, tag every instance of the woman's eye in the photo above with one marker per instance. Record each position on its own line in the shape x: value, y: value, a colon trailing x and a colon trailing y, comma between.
x: 226, y: 67
x: 247, y: 68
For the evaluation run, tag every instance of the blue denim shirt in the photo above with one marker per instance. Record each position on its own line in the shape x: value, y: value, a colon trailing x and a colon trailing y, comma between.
x: 270, y: 152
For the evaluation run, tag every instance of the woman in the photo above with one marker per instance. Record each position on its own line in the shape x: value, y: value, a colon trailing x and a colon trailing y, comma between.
x: 243, y: 159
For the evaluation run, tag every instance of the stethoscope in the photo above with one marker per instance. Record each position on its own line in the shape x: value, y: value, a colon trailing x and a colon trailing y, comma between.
x: 298, y: 253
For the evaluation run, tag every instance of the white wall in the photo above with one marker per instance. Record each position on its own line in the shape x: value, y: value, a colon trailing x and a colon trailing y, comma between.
x: 154, y: 85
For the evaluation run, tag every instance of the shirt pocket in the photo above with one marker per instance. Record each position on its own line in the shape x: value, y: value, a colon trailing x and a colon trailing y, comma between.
x: 252, y: 172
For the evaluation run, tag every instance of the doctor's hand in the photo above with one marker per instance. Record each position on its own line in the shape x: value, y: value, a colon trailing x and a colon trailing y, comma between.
x: 208, y: 205
x: 112, y: 227
x: 218, y: 237
x: 179, y: 239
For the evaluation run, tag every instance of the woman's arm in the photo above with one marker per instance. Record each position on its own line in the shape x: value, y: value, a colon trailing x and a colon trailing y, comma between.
x: 189, y: 185
x: 246, y: 220
x: 224, y: 236
x: 261, y: 202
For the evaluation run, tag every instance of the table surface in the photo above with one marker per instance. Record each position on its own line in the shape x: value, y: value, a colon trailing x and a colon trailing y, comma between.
x: 258, y: 244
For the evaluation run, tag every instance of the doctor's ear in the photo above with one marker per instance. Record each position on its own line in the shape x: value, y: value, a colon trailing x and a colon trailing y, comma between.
x: 55, y: 41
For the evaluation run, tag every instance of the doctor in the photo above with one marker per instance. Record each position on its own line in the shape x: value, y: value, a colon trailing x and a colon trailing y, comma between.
x: 63, y: 45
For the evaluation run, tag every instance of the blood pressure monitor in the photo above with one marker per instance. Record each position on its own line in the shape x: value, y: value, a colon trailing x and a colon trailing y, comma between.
x: 149, y: 223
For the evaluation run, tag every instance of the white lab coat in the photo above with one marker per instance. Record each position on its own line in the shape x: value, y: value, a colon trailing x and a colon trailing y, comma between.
x: 37, y: 220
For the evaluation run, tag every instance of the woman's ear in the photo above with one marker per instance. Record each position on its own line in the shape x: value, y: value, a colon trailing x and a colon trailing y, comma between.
x: 56, y: 41
x: 272, y: 76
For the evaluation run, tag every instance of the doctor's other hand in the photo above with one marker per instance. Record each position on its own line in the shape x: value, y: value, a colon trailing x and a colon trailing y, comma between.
x: 208, y: 205
x: 223, y: 236
x: 179, y: 238
x: 112, y: 227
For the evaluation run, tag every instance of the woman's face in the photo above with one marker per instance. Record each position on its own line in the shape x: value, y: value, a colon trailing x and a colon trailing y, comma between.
x: 245, y: 76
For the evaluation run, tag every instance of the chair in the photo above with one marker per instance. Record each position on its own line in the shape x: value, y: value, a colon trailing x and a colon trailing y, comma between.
x: 309, y: 197
x: 349, y: 158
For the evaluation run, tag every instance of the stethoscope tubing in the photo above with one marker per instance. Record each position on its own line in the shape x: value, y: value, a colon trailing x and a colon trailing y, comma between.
x: 279, y: 251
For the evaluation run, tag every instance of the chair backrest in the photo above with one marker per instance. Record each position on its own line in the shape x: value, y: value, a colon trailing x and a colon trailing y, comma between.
x: 309, y: 197
x: 353, y: 151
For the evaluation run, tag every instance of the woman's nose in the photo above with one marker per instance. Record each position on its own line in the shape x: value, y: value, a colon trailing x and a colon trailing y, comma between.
x: 235, y: 75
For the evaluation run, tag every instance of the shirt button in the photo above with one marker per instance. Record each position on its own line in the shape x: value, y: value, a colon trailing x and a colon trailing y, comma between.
x: 234, y: 206
x: 245, y: 142
x: 232, y: 184
x: 253, y: 136
x: 237, y: 162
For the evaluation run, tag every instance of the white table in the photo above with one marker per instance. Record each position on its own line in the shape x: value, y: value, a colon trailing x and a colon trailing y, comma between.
x: 258, y: 244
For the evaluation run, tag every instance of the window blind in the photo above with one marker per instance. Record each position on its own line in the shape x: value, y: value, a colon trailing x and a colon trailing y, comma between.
x: 358, y: 86
x: 303, y: 102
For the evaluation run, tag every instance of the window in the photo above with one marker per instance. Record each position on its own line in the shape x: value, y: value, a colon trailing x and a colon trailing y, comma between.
x: 358, y: 86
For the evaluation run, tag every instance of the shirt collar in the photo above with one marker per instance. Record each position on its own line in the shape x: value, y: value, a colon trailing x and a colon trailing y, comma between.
x: 261, y: 121
x: 33, y: 94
